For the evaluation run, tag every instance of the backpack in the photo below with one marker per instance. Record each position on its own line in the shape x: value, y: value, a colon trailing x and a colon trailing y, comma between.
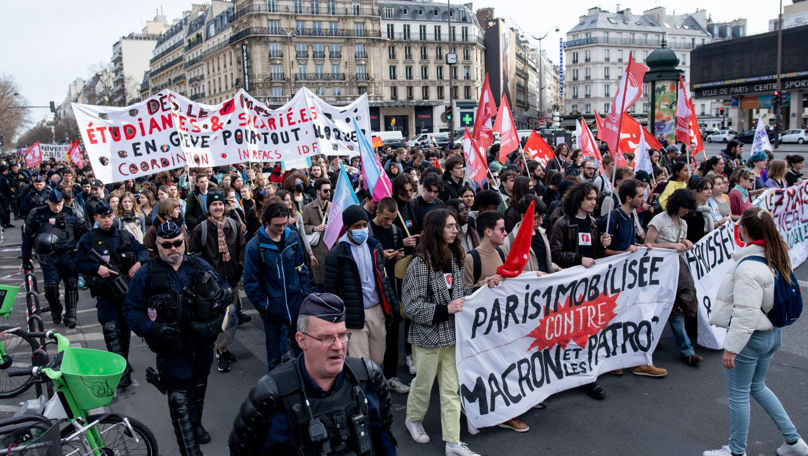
x: 478, y: 264
x: 787, y: 296
x: 229, y: 221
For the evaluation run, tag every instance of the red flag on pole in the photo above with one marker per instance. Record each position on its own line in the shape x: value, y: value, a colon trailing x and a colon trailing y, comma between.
x: 508, y: 139
x: 589, y: 146
x: 33, y: 155
x: 628, y: 92
x: 683, y: 115
x: 520, y: 249
x: 695, y: 130
x: 599, y: 124
x: 475, y: 159
x: 75, y: 155
x: 486, y: 109
x: 536, y: 148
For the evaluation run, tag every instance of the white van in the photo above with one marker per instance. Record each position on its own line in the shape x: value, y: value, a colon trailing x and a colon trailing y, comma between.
x: 389, y: 135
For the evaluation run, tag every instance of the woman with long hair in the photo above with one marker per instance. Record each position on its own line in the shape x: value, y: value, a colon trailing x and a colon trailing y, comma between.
x: 433, y: 292
x: 700, y: 221
x: 167, y: 210
x: 145, y: 206
x: 714, y: 164
x: 719, y: 201
x: 744, y: 297
x: 128, y: 217
x: 776, y: 174
x: 296, y: 183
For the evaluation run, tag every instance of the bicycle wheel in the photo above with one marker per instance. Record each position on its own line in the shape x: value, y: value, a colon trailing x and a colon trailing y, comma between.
x: 117, y: 438
x: 19, y: 348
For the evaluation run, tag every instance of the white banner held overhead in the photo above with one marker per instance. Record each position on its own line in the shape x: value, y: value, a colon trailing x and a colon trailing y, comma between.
x: 532, y: 337
x: 55, y: 151
x: 168, y: 131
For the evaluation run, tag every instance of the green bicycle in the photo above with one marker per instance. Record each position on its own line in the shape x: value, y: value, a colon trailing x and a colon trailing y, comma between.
x: 17, y: 348
x: 83, y: 379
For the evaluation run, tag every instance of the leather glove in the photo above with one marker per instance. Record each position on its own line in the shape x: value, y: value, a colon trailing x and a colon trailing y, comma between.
x: 165, y: 333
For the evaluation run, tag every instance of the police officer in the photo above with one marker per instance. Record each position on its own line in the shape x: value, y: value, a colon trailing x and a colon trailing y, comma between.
x: 177, y: 302
x: 332, y: 404
x: 108, y: 257
x: 53, y: 230
x: 96, y: 194
x: 36, y: 196
x: 6, y: 195
x: 17, y: 179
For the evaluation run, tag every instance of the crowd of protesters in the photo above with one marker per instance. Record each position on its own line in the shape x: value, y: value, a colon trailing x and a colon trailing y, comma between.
x: 406, y: 262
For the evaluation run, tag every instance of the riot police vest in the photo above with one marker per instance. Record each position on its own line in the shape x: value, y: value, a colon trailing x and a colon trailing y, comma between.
x: 334, y: 425
x: 63, y: 225
x: 120, y: 258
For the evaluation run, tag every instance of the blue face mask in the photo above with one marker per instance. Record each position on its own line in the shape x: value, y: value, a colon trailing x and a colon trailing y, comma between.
x: 359, y: 236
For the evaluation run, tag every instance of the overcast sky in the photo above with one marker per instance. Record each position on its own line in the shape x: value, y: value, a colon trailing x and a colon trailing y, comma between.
x: 49, y: 43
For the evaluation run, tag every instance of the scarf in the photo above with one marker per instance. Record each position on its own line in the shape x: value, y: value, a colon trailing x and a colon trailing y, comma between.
x: 220, y: 235
x: 744, y: 192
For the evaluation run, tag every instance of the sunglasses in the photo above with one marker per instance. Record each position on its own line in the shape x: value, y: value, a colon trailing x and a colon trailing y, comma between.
x: 168, y: 245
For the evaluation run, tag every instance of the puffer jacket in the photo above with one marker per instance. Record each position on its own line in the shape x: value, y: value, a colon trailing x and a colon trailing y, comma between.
x: 743, y: 298
x: 342, y: 279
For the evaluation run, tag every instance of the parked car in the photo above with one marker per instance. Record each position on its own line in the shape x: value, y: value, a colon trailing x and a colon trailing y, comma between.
x: 396, y: 143
x: 798, y: 136
x: 707, y: 132
x: 722, y: 136
x: 748, y: 136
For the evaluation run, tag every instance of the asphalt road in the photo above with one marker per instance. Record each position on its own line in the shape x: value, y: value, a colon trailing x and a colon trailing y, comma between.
x: 682, y: 414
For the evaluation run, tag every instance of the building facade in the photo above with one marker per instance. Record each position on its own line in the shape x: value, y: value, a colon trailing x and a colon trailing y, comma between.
x: 130, y: 60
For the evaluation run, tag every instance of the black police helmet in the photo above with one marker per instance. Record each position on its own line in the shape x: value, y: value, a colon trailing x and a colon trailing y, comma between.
x: 45, y: 243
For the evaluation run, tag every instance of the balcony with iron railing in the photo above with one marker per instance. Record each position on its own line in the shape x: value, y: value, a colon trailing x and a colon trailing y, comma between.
x: 318, y: 54
x: 442, y: 38
x: 277, y: 77
x: 361, y: 55
x: 180, y: 77
x: 168, y: 65
x: 275, y: 53
x: 335, y: 55
x: 341, y: 12
x: 195, y: 79
x: 362, y: 77
x: 166, y: 51
x: 320, y: 77
x: 198, y: 95
x: 653, y: 42
x: 302, y: 54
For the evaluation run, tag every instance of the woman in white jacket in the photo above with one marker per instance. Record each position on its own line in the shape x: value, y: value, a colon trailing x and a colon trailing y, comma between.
x: 744, y: 297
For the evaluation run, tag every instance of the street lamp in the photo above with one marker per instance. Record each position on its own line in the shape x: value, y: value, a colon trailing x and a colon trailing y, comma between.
x: 541, y: 73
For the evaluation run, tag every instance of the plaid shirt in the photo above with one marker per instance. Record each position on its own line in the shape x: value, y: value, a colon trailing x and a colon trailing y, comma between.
x: 423, y: 290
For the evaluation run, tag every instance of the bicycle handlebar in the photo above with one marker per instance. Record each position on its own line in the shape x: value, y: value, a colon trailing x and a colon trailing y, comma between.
x: 43, y: 335
x: 22, y: 372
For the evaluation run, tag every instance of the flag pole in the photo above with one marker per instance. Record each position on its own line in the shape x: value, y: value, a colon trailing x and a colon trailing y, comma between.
x: 619, y: 127
x: 496, y: 189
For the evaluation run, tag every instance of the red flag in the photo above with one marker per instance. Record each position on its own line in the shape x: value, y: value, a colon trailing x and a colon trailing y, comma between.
x: 630, y: 135
x: 377, y: 142
x: 75, y: 155
x: 589, y: 146
x: 599, y: 124
x: 520, y: 249
x: 486, y: 109
x: 695, y: 130
x: 628, y: 92
x: 683, y: 114
x: 475, y: 159
x: 508, y: 139
x: 437, y: 163
x: 536, y: 148
x: 33, y: 155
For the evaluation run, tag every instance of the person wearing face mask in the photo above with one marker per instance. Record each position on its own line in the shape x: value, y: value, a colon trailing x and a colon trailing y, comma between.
x: 354, y: 270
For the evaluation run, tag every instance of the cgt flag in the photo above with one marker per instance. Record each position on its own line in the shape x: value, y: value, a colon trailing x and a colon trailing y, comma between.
x: 475, y: 158
x: 486, y: 109
x: 520, y: 250
x: 508, y: 139
x: 683, y: 115
x: 628, y: 92
x: 696, y: 131
x: 75, y: 154
x: 33, y: 155
x: 589, y: 146
x: 536, y: 148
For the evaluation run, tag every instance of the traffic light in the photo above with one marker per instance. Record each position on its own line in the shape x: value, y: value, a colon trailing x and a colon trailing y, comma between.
x: 777, y: 98
x: 52, y: 107
x: 448, y: 111
x: 721, y: 110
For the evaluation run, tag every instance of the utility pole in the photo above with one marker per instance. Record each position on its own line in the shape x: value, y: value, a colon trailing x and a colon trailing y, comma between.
x: 451, y: 60
x: 776, y: 105
x: 541, y: 75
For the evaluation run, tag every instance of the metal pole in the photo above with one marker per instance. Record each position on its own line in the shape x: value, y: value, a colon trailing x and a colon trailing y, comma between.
x: 778, y: 109
x: 451, y: 78
x: 541, y: 82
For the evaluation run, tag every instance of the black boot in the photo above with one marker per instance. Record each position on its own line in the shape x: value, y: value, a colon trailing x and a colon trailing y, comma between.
x: 52, y: 296
x: 242, y: 317
x: 202, y: 436
x: 71, y: 302
x: 180, y: 408
x: 114, y: 340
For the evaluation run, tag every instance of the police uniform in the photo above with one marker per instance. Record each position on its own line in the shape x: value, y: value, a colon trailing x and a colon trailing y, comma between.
x: 16, y: 179
x: 287, y: 413
x: 55, y: 236
x: 34, y: 198
x: 6, y: 195
x: 180, y: 314
x: 119, y: 251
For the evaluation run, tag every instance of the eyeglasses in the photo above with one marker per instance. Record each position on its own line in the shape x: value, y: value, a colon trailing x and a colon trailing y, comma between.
x: 168, y: 245
x: 329, y: 340
x: 503, y: 230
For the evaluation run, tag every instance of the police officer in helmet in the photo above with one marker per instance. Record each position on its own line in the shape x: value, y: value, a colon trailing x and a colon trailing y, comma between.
x: 321, y: 403
x: 36, y: 195
x: 108, y: 257
x: 53, y: 230
x: 177, y: 303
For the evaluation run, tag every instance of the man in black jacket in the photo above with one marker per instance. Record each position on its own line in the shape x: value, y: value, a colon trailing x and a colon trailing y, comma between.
x: 196, y: 206
x: 354, y: 270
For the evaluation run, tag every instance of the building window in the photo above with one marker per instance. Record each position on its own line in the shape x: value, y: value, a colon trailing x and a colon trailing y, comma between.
x: 425, y: 93
x: 318, y: 70
x: 276, y: 72
x: 298, y: 6
x: 361, y: 90
x: 587, y: 91
x: 645, y: 107
x: 301, y: 50
x: 440, y: 93
x: 606, y: 107
x: 390, y: 31
x: 391, y: 52
x: 437, y: 33
x: 464, y: 34
x: 466, y: 53
x: 575, y: 74
x: 424, y: 53
x: 277, y: 92
x: 336, y: 91
x: 619, y: 55
x: 359, y: 28
x: 422, y: 32
x: 588, y: 108
x: 355, y: 8
x: 587, y: 73
x: 424, y: 72
x: 453, y: 33
x: 606, y: 56
x: 410, y: 95
x: 455, y: 92
x: 320, y: 91
x: 272, y: 6
x: 394, y: 93
x: 406, y: 31
x: 574, y: 108
x: 317, y: 28
x: 467, y: 73
x: 275, y: 50
x: 467, y: 92
x: 274, y: 27
x: 439, y: 71
x: 362, y: 72
x: 334, y: 51
x: 333, y: 28
x: 335, y: 73
x: 315, y: 6
x: 606, y: 73
x: 439, y: 53
x: 392, y: 72
x: 300, y: 27
x: 575, y: 92
x: 606, y: 91
x: 388, y: 12
x: 574, y: 57
x: 587, y: 56
x: 360, y: 52
x: 331, y: 6
x: 453, y: 69
x: 408, y: 71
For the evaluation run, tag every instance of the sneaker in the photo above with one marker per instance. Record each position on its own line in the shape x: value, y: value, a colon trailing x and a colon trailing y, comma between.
x: 515, y: 424
x: 459, y: 449
x: 397, y: 386
x: 617, y: 372
x: 222, y: 363
x: 243, y: 317
x: 227, y: 355
x: 798, y: 449
x: 724, y: 451
x: 594, y: 391
x: 541, y: 405
x: 693, y: 360
x: 417, y: 431
x: 410, y: 365
x: 649, y: 371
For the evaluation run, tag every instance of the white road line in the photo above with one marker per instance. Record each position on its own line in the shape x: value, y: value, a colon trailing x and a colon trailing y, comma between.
x: 803, y: 283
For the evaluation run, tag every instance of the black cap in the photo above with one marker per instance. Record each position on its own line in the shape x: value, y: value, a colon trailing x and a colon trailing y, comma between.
x: 325, y: 306
x: 3, y: 167
x: 102, y: 208
x: 213, y: 197
x: 352, y: 215
x: 169, y: 230
x: 55, y: 196
x: 38, y: 178
x: 95, y: 183
x: 642, y: 176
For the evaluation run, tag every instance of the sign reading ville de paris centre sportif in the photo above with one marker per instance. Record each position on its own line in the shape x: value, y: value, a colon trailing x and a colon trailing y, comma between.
x: 748, y: 87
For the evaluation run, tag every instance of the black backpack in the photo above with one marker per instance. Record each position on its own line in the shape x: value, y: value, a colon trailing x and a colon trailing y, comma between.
x: 478, y: 264
x: 787, y: 296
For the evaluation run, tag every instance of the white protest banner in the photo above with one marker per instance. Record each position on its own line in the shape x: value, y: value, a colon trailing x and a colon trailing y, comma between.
x: 529, y: 337
x: 709, y: 261
x: 55, y: 151
x: 168, y: 131
x: 789, y: 208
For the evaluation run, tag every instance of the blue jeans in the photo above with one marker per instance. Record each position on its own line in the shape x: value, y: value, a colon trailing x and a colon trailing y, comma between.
x: 276, y: 333
x: 683, y: 343
x: 749, y: 376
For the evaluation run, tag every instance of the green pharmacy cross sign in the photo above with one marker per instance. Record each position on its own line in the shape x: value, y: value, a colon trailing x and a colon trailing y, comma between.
x: 467, y: 119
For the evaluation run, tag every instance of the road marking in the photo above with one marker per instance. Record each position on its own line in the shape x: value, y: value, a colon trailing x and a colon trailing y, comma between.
x: 803, y: 283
